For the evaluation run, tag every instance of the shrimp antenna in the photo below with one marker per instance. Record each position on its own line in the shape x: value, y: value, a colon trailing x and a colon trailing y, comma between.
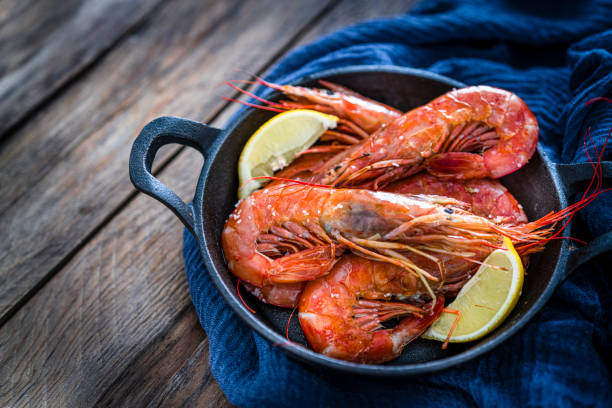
x: 259, y: 79
x: 452, y: 329
x: 252, y: 105
x: 305, y: 183
x: 598, y: 98
x: 245, y: 72
x: 240, y: 296
x: 230, y: 83
x: 289, y: 321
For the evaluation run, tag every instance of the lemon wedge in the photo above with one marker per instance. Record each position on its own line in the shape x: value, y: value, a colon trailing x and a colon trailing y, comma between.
x: 486, y: 299
x: 276, y: 143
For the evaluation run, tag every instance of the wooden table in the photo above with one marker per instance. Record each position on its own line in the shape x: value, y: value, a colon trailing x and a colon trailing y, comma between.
x: 94, y: 304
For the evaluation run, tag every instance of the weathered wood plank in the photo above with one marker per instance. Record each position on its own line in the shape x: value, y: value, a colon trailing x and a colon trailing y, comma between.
x: 66, y: 171
x: 161, y: 376
x: 192, y: 385
x: 43, y: 43
x: 117, y: 316
x: 26, y: 25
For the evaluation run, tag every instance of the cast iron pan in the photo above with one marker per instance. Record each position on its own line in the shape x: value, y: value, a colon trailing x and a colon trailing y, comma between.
x: 541, y: 186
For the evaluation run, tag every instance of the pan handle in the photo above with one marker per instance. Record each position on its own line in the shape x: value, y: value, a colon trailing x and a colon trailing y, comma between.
x: 574, y: 178
x: 596, y: 247
x: 160, y: 132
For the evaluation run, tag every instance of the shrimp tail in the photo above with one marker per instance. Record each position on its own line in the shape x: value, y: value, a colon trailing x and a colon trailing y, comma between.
x: 370, y: 314
x: 304, y: 265
x: 410, y: 328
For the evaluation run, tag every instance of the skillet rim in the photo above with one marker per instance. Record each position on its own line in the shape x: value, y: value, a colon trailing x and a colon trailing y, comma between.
x: 311, y: 357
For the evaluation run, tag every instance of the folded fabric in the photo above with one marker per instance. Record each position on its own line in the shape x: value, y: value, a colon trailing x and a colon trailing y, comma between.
x: 556, y: 55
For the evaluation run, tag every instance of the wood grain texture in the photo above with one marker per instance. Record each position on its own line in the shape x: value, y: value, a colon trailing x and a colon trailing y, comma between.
x: 173, y: 371
x: 43, y: 43
x: 115, y: 326
x: 192, y: 385
x: 25, y: 26
x: 116, y: 323
x: 71, y: 159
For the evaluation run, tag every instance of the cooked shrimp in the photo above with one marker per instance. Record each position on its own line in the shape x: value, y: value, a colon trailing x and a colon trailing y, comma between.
x: 282, y: 234
x: 474, y: 132
x: 342, y: 313
x: 293, y: 233
x: 487, y: 198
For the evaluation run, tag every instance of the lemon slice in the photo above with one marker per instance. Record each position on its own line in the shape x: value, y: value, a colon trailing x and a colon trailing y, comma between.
x: 485, y: 300
x: 276, y: 143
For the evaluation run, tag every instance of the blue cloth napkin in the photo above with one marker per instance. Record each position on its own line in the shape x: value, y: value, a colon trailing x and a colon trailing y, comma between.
x: 556, y: 55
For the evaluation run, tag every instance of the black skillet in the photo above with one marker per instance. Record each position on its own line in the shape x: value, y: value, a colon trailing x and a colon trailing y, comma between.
x: 541, y: 186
